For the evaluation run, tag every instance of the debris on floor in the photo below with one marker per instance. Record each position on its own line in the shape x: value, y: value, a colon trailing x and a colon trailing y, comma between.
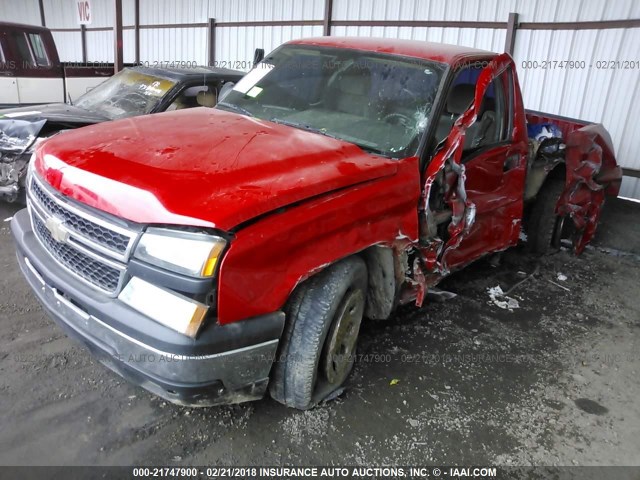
x: 559, y: 286
x: 472, y: 386
x: 499, y: 299
x: 437, y: 295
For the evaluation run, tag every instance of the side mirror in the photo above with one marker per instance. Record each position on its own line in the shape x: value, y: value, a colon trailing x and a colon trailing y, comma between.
x: 258, y: 56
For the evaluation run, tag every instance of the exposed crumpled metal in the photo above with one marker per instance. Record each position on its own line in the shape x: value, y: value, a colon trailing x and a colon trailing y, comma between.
x: 17, y: 136
x: 592, y: 172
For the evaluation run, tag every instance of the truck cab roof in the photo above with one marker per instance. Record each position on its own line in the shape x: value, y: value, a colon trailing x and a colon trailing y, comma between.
x: 437, y: 52
x: 180, y: 75
x: 23, y: 26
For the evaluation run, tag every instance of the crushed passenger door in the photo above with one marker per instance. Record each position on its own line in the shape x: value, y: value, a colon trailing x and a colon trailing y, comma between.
x: 480, y: 186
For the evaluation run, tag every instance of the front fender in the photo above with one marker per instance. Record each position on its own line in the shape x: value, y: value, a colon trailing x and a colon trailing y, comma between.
x: 267, y: 259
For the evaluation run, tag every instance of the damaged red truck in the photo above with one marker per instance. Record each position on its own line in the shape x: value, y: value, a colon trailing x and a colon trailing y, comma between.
x: 210, y: 255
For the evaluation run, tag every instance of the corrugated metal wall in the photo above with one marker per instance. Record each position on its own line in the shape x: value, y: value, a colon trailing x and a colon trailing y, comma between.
x: 20, y: 12
x: 173, y: 44
x: 609, y: 96
x: 237, y: 44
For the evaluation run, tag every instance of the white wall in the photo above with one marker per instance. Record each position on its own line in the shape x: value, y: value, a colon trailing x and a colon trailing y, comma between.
x: 607, y: 96
x: 25, y: 11
x: 237, y: 44
x: 60, y: 14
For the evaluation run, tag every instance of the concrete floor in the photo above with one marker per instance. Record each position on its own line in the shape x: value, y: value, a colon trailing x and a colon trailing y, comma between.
x: 553, y: 382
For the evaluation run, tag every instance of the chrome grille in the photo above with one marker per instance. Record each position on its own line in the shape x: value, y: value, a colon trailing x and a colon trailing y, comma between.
x: 92, y: 248
x: 107, y: 238
x: 93, y: 271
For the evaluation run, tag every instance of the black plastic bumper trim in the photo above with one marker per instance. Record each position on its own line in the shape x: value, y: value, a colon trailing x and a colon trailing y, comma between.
x: 213, y: 338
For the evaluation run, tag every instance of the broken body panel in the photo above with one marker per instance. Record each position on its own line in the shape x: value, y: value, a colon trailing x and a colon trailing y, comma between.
x: 290, y: 201
x: 112, y: 99
x: 591, y: 172
x: 288, y: 223
x: 484, y: 193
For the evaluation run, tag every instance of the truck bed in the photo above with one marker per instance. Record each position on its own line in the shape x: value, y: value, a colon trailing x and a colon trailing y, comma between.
x: 575, y: 133
x: 591, y: 171
x: 565, y: 124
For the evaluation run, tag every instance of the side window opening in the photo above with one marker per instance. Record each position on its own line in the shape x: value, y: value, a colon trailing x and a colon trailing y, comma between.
x: 508, y: 128
x: 197, y: 96
x: 38, y: 49
x: 22, y: 45
x: 31, y: 49
x: 491, y: 126
x: 490, y: 123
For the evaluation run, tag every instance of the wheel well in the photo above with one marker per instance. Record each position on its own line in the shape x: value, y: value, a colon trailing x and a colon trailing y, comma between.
x: 536, y: 179
x: 539, y: 175
x: 559, y: 172
x: 382, y: 289
x: 383, y: 286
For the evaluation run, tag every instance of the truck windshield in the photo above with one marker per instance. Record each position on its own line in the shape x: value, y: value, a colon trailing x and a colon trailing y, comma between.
x: 126, y: 94
x: 381, y: 103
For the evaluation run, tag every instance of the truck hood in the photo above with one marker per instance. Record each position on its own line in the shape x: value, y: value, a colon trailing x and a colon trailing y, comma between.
x: 200, y: 167
x: 21, y: 127
x: 54, y: 112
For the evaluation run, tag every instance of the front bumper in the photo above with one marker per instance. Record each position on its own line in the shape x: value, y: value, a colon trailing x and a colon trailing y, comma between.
x: 225, y: 364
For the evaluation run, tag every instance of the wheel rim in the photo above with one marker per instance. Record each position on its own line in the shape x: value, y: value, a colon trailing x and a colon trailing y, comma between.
x: 556, y: 238
x: 342, y: 338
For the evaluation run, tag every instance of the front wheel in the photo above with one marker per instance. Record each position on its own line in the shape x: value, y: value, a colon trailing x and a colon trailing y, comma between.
x: 545, y: 228
x: 319, y: 342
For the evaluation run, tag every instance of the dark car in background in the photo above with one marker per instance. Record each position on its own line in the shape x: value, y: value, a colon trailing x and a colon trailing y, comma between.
x: 132, y: 92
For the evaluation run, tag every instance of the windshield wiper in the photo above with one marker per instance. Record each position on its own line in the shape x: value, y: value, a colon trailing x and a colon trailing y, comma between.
x: 374, y: 150
x: 304, y: 126
x: 237, y: 108
x: 322, y: 131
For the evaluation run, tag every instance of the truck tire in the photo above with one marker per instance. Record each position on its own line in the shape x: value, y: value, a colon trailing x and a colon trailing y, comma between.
x: 318, y: 345
x: 544, y: 226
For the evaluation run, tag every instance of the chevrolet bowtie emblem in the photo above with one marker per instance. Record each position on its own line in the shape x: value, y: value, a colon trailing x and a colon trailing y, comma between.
x: 57, y: 229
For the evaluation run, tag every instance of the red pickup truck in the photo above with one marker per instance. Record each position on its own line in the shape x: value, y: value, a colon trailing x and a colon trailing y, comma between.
x: 212, y: 255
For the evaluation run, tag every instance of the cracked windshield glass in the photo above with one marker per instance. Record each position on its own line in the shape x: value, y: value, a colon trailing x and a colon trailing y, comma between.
x: 126, y: 94
x: 378, y: 102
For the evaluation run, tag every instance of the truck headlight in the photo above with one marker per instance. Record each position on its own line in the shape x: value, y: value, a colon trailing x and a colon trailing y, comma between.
x: 169, y: 308
x: 30, y: 168
x: 194, y: 254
